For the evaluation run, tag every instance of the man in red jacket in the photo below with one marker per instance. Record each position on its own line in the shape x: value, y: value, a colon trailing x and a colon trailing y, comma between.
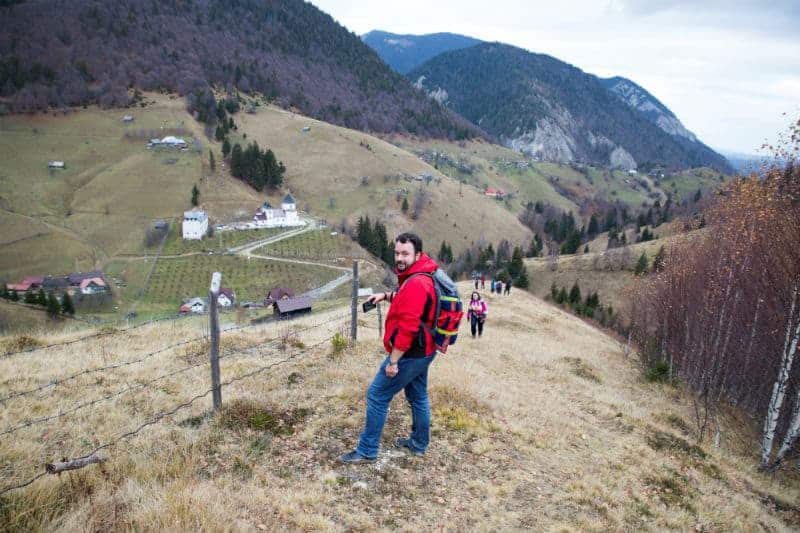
x: 411, y: 350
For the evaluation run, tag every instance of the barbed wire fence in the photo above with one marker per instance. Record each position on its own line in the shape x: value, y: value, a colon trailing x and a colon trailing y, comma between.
x: 283, y: 346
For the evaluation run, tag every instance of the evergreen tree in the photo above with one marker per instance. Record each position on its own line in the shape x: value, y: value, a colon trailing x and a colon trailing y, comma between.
x: 4, y: 293
x: 573, y: 242
x: 31, y: 298
x: 67, y: 307
x: 586, y: 249
x: 442, y: 255
x: 219, y: 133
x: 211, y: 162
x: 641, y: 265
x: 226, y: 148
x: 42, y: 298
x: 516, y: 266
x: 237, y: 160
x: 404, y: 207
x: 53, y: 307
x: 575, y: 294
x: 553, y: 291
x: 522, y: 280
x: 562, y: 296
x: 698, y: 195
x: 13, y: 296
x: 195, y: 200
x: 533, y: 250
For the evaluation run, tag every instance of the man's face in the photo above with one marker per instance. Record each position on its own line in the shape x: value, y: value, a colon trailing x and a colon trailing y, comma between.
x: 404, y: 255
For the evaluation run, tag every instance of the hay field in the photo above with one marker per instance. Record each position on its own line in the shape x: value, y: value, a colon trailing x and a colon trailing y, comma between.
x: 541, y: 424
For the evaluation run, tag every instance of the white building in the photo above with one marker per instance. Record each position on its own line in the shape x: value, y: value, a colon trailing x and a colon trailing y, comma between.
x: 286, y: 216
x: 56, y: 164
x: 195, y: 224
x: 170, y: 141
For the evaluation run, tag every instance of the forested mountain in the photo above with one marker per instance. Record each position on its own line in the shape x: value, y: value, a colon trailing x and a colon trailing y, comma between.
x: 548, y: 108
x: 405, y: 52
x: 72, y: 52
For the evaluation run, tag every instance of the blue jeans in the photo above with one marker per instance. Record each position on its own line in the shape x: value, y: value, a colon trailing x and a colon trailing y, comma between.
x: 412, y: 376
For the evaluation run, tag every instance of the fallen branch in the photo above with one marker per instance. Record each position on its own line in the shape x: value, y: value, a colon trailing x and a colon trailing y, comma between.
x: 74, y: 464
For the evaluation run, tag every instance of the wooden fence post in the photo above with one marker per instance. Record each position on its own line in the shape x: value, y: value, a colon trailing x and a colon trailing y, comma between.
x: 213, y: 326
x: 380, y: 322
x: 354, y: 305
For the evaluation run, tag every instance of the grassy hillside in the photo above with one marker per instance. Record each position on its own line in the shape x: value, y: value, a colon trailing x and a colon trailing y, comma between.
x: 326, y: 169
x: 542, y: 424
x: 610, y: 273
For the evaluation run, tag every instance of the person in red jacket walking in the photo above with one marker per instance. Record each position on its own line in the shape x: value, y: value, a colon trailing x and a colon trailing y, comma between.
x: 411, y: 350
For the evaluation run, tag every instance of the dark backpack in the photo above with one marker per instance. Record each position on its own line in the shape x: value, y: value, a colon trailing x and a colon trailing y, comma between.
x: 448, y: 310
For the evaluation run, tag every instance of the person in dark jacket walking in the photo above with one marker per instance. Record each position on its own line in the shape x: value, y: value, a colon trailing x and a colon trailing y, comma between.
x: 477, y: 314
x: 507, y: 289
x: 411, y: 350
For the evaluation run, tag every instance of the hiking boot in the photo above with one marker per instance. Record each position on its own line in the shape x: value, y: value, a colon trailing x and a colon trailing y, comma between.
x: 406, y: 443
x: 355, y: 458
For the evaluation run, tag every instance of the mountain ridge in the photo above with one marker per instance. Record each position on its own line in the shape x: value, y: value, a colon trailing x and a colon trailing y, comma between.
x: 59, y: 54
x: 404, y: 52
x: 540, y: 105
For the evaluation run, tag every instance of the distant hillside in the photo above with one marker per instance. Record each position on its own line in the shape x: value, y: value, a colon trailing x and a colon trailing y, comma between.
x: 93, y: 51
x: 540, y: 105
x: 406, y: 52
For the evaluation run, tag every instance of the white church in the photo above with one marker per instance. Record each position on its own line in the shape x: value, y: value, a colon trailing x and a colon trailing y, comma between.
x: 286, y: 216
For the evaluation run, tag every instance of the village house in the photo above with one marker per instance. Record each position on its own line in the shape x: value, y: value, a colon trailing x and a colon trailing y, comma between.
x: 93, y: 286
x: 286, y: 216
x: 195, y: 224
x: 289, y: 307
x: 31, y: 283
x: 127, y: 119
x: 193, y: 305
x: 57, y: 165
x: 169, y: 141
x: 278, y: 293
x: 494, y: 193
x: 226, y: 297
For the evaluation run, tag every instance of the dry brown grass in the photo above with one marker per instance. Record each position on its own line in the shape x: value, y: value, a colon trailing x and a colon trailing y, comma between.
x: 540, y: 424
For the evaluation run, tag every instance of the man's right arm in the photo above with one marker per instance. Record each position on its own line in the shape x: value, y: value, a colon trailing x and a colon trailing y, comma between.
x: 381, y: 296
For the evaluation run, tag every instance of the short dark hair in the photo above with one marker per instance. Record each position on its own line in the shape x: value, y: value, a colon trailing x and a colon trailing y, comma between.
x: 413, y: 238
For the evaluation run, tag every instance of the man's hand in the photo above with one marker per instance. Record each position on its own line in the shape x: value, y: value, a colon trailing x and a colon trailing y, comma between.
x: 391, y: 370
x: 375, y: 298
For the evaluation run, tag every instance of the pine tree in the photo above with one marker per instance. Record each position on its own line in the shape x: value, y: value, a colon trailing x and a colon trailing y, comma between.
x: 211, y: 162
x: 226, y: 148
x: 641, y: 265
x: 516, y: 266
x: 195, y: 200
x: 31, y: 298
x: 553, y: 291
x: 13, y: 296
x: 67, y: 306
x: 53, y: 307
x: 237, y: 160
x: 4, y: 293
x: 575, y: 294
x: 586, y: 249
x: 42, y: 298
x: 562, y: 296
x: 442, y: 255
x: 593, y: 226
x: 522, y: 280
x: 404, y: 207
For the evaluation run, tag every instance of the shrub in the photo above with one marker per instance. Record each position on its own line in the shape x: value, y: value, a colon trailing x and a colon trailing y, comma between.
x: 658, y: 373
x: 338, y: 343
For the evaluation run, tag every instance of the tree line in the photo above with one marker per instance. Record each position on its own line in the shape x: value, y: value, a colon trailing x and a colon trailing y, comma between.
x: 49, y: 301
x: 722, y: 313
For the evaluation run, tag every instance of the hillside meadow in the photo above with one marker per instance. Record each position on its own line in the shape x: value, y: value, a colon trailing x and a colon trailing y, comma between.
x: 543, y: 423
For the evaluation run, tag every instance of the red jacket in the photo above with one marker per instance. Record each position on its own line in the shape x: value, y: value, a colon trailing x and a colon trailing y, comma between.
x: 415, y: 297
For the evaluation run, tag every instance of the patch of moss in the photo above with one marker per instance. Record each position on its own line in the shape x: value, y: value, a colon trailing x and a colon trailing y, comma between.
x: 240, y: 415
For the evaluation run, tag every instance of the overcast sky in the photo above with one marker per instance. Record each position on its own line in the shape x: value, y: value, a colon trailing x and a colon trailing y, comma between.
x: 730, y: 70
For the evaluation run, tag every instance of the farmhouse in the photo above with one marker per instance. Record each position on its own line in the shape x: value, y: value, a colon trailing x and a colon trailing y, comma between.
x: 290, y: 307
x: 127, y: 119
x: 57, y: 164
x: 278, y: 293
x: 226, y: 297
x: 194, y: 305
x: 31, y: 283
x: 268, y: 217
x: 494, y: 193
x: 93, y: 286
x: 169, y: 141
x: 195, y: 225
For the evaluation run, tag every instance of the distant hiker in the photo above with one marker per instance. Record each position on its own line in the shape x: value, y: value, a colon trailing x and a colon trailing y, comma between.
x: 507, y: 288
x: 411, y: 351
x: 483, y: 281
x: 493, y: 285
x: 476, y: 284
x: 499, y: 287
x: 477, y: 314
